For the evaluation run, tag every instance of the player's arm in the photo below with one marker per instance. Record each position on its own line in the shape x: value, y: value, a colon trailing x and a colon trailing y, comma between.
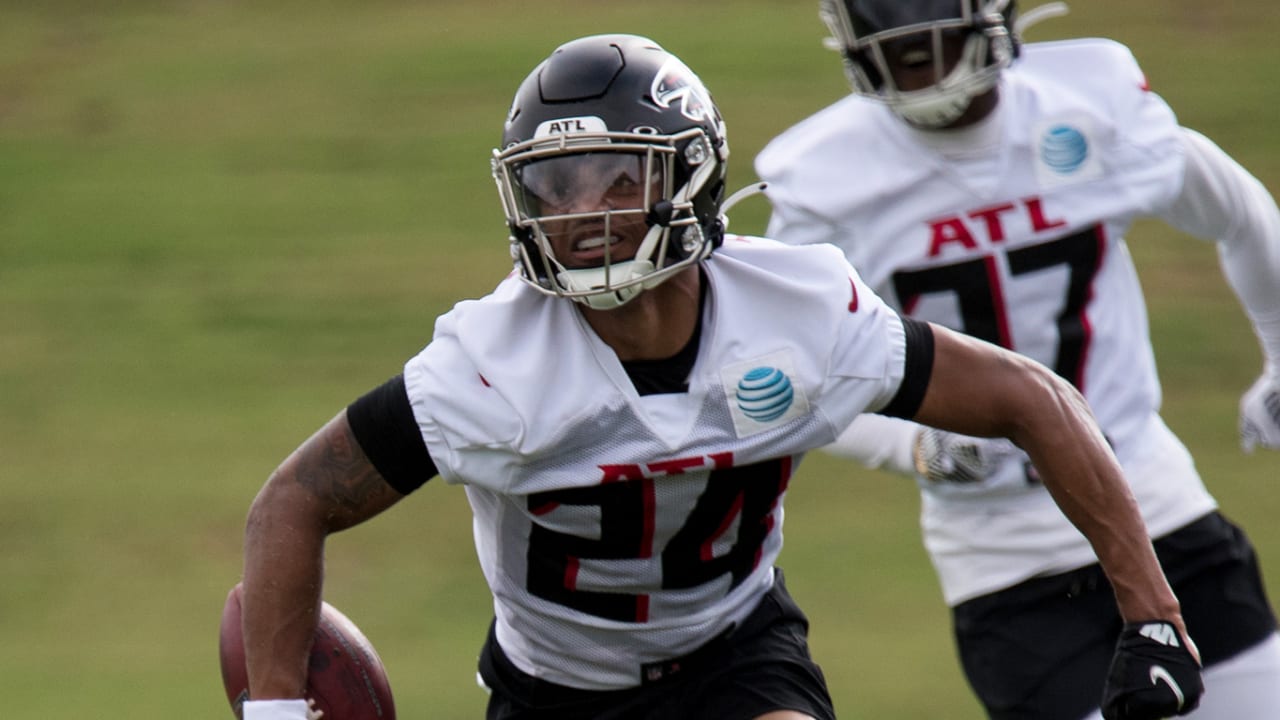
x: 1221, y: 201
x: 359, y: 464
x: 977, y: 388
x: 326, y: 485
x: 907, y: 448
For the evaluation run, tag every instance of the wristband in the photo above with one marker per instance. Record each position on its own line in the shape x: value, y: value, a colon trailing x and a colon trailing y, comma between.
x: 275, y: 710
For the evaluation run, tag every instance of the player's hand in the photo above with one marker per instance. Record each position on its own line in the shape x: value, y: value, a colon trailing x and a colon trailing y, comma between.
x: 1154, y: 674
x: 281, y: 710
x: 944, y: 457
x: 1260, y: 415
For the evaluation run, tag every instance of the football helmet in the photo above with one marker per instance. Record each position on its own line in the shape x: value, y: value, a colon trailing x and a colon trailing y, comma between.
x: 964, y: 44
x: 611, y: 143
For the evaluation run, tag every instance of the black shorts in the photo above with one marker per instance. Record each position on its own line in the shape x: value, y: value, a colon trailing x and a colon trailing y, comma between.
x: 761, y: 666
x: 1041, y: 649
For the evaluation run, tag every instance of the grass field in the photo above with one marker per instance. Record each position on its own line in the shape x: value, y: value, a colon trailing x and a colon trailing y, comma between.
x: 222, y: 221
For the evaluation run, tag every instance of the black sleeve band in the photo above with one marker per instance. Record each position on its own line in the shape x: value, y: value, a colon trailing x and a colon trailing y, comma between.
x: 916, y: 371
x: 383, y: 423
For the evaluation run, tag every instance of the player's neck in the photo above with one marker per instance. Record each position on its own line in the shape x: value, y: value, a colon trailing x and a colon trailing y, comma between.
x: 980, y: 109
x: 981, y: 135
x: 656, y: 324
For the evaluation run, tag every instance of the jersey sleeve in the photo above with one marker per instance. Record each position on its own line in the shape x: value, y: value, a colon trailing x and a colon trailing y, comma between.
x: 383, y: 424
x: 1148, y: 152
x: 794, y: 225
x: 917, y: 369
x: 1223, y: 202
x: 790, y: 184
x: 879, y: 360
x: 463, y: 388
x: 1094, y: 91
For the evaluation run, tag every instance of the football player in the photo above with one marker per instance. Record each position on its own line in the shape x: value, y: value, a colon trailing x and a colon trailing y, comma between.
x: 986, y: 185
x: 626, y: 412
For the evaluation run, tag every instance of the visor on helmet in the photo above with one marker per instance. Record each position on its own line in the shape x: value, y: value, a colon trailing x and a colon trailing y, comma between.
x: 594, y: 219
x: 587, y: 182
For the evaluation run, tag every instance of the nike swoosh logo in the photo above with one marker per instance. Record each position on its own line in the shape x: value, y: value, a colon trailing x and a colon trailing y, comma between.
x: 1159, y: 674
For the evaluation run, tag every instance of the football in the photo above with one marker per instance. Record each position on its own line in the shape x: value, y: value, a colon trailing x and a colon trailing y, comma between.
x: 345, y: 676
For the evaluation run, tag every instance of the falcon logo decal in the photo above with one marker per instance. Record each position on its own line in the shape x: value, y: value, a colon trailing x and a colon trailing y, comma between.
x: 676, y: 83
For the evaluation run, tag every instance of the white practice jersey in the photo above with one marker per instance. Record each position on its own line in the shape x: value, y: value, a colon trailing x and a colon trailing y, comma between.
x: 1012, y: 231
x: 614, y: 529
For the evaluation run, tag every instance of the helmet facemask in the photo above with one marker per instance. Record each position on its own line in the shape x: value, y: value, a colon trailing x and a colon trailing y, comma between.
x: 597, y: 217
x: 960, y: 57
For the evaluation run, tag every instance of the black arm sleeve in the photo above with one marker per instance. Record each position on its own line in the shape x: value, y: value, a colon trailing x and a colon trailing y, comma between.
x: 918, y: 368
x: 383, y: 423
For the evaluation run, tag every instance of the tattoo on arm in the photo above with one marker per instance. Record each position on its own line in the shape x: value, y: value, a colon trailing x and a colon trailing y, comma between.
x: 333, y: 468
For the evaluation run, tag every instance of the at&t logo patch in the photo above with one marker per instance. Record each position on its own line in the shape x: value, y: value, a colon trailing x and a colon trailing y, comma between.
x: 1067, y: 151
x: 1064, y: 149
x: 762, y: 393
x: 765, y: 394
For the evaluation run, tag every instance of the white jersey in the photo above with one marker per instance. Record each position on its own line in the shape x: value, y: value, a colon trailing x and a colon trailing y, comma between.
x: 1012, y: 231
x: 614, y: 529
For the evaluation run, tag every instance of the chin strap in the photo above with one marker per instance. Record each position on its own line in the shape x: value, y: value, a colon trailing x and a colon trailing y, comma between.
x: 584, y: 280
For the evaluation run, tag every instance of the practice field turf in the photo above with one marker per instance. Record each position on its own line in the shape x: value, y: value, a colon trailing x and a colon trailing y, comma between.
x: 222, y: 221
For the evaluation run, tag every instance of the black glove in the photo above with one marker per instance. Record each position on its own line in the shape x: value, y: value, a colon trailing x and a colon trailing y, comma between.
x: 1153, y: 675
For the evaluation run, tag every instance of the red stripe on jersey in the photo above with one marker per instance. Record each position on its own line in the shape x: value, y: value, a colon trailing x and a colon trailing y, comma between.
x: 544, y: 508
x: 707, y: 551
x: 784, y: 467
x: 571, y: 573
x: 722, y: 460
x: 1086, y: 327
x: 997, y: 299
x: 853, y: 304
x: 650, y: 511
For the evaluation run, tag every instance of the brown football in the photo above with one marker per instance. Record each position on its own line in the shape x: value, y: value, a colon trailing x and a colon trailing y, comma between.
x: 345, y: 676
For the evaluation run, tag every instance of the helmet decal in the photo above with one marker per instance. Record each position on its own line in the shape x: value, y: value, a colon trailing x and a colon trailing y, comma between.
x: 568, y: 125
x: 676, y: 82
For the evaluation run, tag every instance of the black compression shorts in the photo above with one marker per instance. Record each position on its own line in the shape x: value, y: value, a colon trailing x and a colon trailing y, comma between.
x: 762, y: 666
x: 1040, y: 649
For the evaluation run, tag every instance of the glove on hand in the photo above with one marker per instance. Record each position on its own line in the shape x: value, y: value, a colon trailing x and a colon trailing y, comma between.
x: 1260, y: 416
x: 944, y: 457
x: 281, y: 710
x: 1153, y: 675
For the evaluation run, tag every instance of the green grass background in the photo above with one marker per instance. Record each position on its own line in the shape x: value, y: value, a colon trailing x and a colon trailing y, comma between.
x: 222, y: 221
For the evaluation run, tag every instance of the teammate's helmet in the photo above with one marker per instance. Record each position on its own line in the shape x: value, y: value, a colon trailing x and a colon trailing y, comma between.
x: 870, y: 34
x: 612, y: 109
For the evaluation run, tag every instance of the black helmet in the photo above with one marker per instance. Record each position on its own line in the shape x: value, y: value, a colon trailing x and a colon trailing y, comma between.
x: 624, y: 102
x: 863, y: 29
